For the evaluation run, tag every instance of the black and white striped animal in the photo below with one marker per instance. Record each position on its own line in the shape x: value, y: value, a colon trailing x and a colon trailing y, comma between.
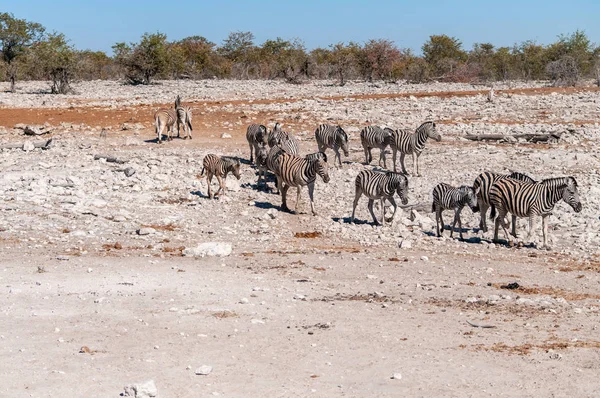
x: 333, y: 137
x: 406, y: 143
x: 256, y: 135
x: 295, y: 171
x: 164, y: 118
x: 289, y: 144
x: 375, y: 137
x: 261, y: 162
x: 377, y: 185
x: 317, y: 155
x: 484, y: 182
x: 531, y: 200
x: 271, y: 161
x: 184, y: 118
x: 219, y: 166
x: 275, y: 135
x: 447, y: 197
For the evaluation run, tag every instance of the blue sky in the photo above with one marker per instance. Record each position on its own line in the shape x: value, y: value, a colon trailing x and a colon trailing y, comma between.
x: 97, y: 25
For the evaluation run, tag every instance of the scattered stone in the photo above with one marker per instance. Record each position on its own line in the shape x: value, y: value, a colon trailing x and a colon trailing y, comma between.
x: 146, y: 231
x: 204, y: 370
x: 28, y: 146
x: 225, y: 135
x: 129, y: 171
x: 396, y: 376
x: 211, y: 249
x: 146, y: 389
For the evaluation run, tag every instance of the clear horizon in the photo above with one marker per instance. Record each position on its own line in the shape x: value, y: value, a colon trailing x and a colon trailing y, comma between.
x: 97, y: 26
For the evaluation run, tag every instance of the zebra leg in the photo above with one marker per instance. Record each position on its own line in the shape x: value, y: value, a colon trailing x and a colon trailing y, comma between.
x: 337, y: 156
x: 251, y: 153
x: 402, y: 155
x: 357, y: 196
x: 382, y: 157
x: 283, y: 189
x: 514, y: 226
x: 483, y: 207
x: 502, y: 217
x: 367, y: 155
x: 297, y: 208
x: 393, y: 202
x: 415, y: 157
x: 394, y: 152
x: 311, y: 193
x: 208, y: 181
x: 456, y: 217
x: 222, y: 186
x: 370, y: 206
x: 532, y: 228
x: 545, y: 233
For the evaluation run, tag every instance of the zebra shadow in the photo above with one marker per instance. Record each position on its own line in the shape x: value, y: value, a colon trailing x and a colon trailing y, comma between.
x: 266, y: 205
x: 262, y: 187
x: 346, y: 220
x: 199, y: 194
x: 470, y: 239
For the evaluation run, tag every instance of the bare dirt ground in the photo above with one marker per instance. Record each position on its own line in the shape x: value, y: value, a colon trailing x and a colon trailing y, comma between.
x: 96, y: 294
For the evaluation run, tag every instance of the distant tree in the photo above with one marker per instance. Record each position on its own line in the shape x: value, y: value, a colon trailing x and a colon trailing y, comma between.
x: 145, y: 60
x: 482, y: 55
x: 320, y: 63
x: 94, y: 65
x: 198, y: 55
x: 502, y: 63
x: 57, y: 60
x: 237, y: 45
x: 563, y: 72
x: 376, y: 58
x: 16, y: 36
x: 530, y: 60
x: 343, y: 58
x: 443, y: 53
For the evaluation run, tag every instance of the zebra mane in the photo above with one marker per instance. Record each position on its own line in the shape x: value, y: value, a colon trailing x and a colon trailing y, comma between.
x: 341, y: 130
x: 560, y: 181
x: 230, y: 160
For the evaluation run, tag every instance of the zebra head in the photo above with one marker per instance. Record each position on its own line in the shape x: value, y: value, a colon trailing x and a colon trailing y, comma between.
x: 262, y: 135
x: 261, y: 156
x: 571, y: 195
x: 322, y: 169
x: 471, y: 196
x: 233, y: 166
x: 429, y: 128
x: 177, y: 102
x: 401, y: 186
x: 388, y: 135
x: 342, y: 137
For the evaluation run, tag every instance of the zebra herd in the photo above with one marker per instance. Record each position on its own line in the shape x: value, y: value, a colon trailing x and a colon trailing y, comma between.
x: 277, y: 151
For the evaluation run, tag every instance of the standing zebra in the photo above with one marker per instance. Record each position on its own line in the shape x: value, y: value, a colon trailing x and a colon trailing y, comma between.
x: 447, y: 197
x: 219, y: 167
x: 380, y: 185
x: 289, y: 144
x: 164, y: 118
x: 525, y: 199
x: 272, y: 162
x: 275, y: 135
x: 483, y: 183
x: 406, y: 142
x: 184, y: 117
x: 256, y: 135
x: 333, y: 137
x: 375, y: 137
x: 261, y: 162
x: 295, y: 171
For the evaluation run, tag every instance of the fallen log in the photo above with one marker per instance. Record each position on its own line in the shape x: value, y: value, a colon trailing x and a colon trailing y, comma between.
x: 28, y: 145
x: 110, y: 159
x: 533, y: 138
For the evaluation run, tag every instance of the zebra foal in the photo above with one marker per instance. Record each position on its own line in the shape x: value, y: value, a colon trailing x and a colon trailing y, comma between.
x: 377, y: 185
x: 164, y: 118
x: 375, y: 137
x: 406, y: 143
x: 447, y: 197
x: 483, y: 183
x: 333, y: 137
x: 219, y: 166
x: 531, y: 200
x: 295, y: 171
x: 256, y: 135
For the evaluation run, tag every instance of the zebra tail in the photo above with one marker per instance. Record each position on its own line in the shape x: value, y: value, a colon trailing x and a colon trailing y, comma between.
x: 433, y: 207
x: 189, y: 123
x: 202, y: 173
x: 493, y: 212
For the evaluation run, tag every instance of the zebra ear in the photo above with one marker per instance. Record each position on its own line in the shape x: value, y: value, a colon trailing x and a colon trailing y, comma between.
x: 477, y: 190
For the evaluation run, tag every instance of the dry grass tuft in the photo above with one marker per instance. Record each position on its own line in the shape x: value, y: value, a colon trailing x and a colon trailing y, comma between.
x: 527, y: 348
x: 168, y: 227
x: 225, y: 314
x: 308, y: 235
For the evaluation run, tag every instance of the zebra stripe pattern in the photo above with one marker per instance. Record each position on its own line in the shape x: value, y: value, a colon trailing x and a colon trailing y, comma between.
x: 295, y: 171
x: 164, y: 118
x: 333, y: 137
x: 317, y: 155
x: 289, y: 144
x: 256, y: 135
x: 261, y: 163
x: 377, y: 185
x: 275, y: 135
x: 219, y: 166
x: 375, y: 137
x: 184, y: 118
x: 484, y: 182
x: 524, y: 199
x: 406, y: 143
x: 447, y: 197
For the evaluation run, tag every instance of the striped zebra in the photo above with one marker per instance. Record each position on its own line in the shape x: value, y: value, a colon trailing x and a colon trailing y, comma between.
x: 256, y: 135
x: 219, y: 166
x: 164, y: 118
x: 184, y: 118
x: 272, y: 161
x: 447, y: 197
x: 333, y: 137
x: 484, y: 182
x: 289, y: 144
x: 406, y: 143
x: 380, y: 185
x: 275, y: 135
x: 317, y: 155
x: 295, y: 171
x: 261, y: 163
x: 375, y: 137
x: 530, y: 200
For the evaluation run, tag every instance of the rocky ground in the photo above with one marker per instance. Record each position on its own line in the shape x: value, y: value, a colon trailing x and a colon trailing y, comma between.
x: 103, y: 283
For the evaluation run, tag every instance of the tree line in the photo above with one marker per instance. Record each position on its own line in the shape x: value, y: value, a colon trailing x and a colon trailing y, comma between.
x: 29, y: 52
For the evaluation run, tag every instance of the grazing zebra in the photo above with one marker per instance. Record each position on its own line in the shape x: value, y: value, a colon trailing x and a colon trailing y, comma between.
x: 406, y: 143
x: 184, y: 117
x: 333, y: 137
x: 530, y: 200
x: 295, y: 171
x: 275, y: 135
x: 380, y: 185
x: 484, y: 182
x: 447, y: 197
x: 375, y: 137
x: 256, y: 135
x: 220, y: 166
x: 164, y: 118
